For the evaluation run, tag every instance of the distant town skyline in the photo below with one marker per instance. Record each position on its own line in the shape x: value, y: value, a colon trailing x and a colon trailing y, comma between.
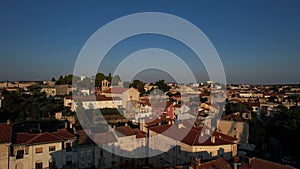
x: 258, y: 42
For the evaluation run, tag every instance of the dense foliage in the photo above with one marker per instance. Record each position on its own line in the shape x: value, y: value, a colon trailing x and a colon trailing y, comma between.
x: 21, y: 106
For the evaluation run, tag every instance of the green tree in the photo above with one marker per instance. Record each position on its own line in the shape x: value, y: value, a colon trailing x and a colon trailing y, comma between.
x: 162, y: 86
x: 139, y: 85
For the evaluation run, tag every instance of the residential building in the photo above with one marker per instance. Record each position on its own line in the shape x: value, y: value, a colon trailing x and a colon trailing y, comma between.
x: 127, y: 95
x: 49, y: 90
x: 93, y: 102
x: 5, y: 142
x: 235, y: 126
x: 36, y: 150
x: 189, y: 146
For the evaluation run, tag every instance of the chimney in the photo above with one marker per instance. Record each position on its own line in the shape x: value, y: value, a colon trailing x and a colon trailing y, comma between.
x: 8, y: 122
x: 66, y: 125
x: 74, y: 130
x: 213, y: 139
x: 235, y: 162
x: 180, y: 125
x: 197, y: 163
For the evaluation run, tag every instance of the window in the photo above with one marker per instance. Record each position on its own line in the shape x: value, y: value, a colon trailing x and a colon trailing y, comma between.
x: 89, y: 153
x: 68, y: 147
x: 38, y: 165
x: 234, y: 136
x: 234, y: 128
x: 20, y: 154
x: 51, y: 164
x: 82, y: 153
x: 26, y: 150
x: 38, y: 150
x: 52, y: 148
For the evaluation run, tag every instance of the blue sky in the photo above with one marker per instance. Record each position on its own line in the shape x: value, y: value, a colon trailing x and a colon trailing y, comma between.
x: 258, y: 41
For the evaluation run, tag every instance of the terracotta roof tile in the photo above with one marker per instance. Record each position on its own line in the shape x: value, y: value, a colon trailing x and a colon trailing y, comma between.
x: 45, y: 137
x: 256, y: 163
x: 104, y: 138
x: 191, y: 135
x: 116, y: 90
x: 124, y: 131
x: 26, y: 138
x: 218, y: 163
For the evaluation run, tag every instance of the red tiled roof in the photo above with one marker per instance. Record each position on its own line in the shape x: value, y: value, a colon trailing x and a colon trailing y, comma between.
x: 116, y: 90
x: 218, y: 163
x: 138, y: 133
x: 156, y: 121
x: 191, y: 135
x: 124, y: 131
x: 64, y: 134
x: 46, y: 137
x: 83, y: 138
x: 256, y: 163
x: 5, y: 133
x: 103, y: 138
x: 26, y: 138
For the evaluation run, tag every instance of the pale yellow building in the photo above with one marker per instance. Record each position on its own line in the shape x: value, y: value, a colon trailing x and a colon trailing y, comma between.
x: 235, y: 126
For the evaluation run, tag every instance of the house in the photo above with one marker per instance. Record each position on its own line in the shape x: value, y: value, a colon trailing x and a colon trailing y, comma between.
x: 127, y: 95
x: 49, y: 90
x: 43, y: 150
x: 189, y: 143
x: 268, y: 109
x: 63, y: 89
x: 85, y: 150
x: 235, y: 126
x: 5, y: 142
x: 92, y: 102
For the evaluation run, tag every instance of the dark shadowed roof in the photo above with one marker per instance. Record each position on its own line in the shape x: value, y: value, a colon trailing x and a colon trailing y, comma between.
x: 218, y: 163
x: 5, y: 133
x: 256, y: 163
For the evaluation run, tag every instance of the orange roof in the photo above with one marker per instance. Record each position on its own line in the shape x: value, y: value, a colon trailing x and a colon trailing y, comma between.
x: 124, y: 131
x: 138, y: 133
x: 116, y: 90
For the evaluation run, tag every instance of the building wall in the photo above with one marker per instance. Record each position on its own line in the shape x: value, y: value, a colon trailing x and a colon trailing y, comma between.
x: 49, y: 91
x: 85, y: 156
x: 236, y: 129
x: 31, y: 157
x: 4, y: 154
x: 101, y: 104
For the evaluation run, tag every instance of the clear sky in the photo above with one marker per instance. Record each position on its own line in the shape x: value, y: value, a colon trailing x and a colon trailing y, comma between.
x: 258, y: 41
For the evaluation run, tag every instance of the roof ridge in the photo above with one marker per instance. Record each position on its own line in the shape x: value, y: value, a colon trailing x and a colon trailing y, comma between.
x: 197, y: 136
x: 33, y: 138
